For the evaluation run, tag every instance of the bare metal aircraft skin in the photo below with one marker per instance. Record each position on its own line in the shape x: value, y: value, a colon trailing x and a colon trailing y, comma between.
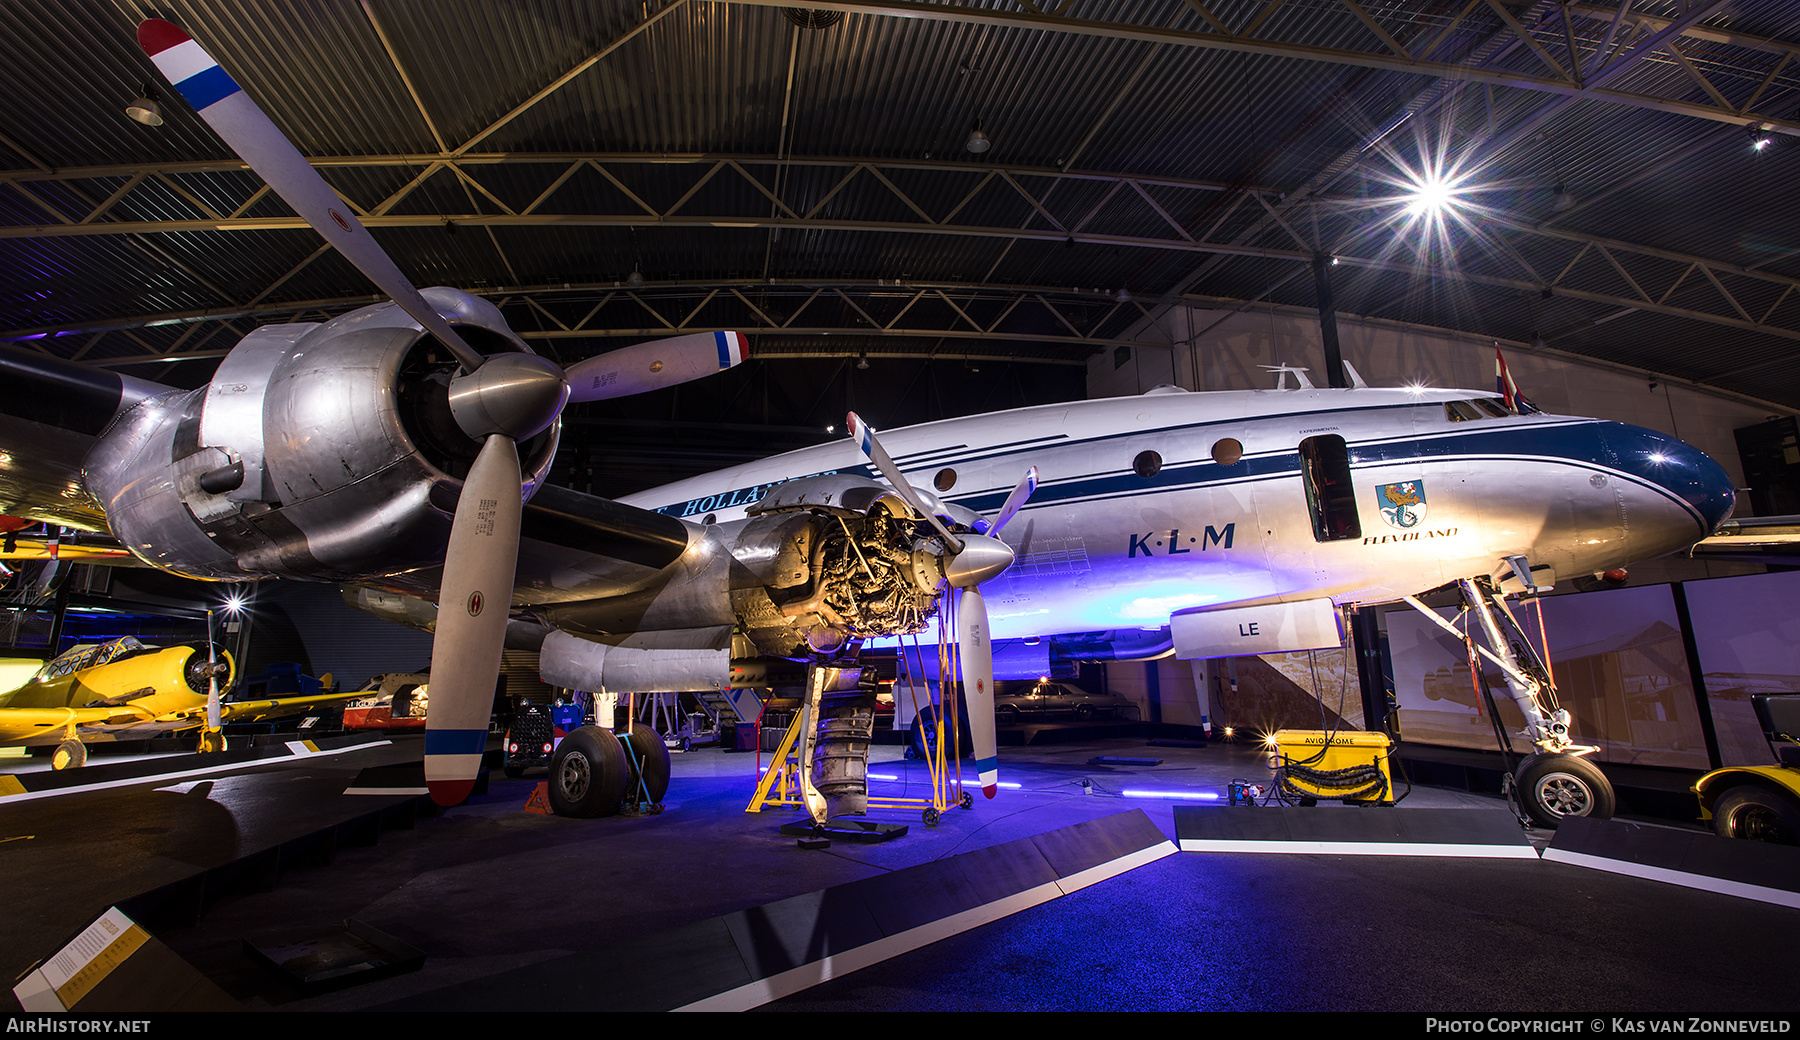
x: 402, y: 448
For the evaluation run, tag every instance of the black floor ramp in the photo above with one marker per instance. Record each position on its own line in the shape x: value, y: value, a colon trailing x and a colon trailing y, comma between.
x: 754, y: 956
x: 171, y: 768
x: 1693, y: 859
x: 1353, y: 831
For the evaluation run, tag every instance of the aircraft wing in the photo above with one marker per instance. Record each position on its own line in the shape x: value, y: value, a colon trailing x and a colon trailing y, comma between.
x: 18, y: 724
x: 98, y: 550
x: 572, y: 546
x: 1752, y: 539
x: 279, y: 707
x: 50, y: 412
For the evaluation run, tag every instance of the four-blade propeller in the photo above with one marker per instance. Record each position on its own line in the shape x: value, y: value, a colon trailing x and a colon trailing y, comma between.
x: 501, y: 400
x: 970, y: 559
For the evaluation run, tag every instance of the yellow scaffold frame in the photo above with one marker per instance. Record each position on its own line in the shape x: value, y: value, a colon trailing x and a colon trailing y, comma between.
x: 780, y: 783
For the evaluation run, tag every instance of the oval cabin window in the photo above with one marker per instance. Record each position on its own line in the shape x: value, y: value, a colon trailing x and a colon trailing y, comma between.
x: 1227, y: 452
x: 1147, y: 464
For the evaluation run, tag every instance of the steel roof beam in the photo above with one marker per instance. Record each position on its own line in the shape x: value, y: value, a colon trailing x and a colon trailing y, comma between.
x: 1244, y: 42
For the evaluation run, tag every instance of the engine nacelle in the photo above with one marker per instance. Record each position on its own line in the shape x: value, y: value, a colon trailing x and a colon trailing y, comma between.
x: 317, y: 451
x: 822, y: 562
x: 826, y: 561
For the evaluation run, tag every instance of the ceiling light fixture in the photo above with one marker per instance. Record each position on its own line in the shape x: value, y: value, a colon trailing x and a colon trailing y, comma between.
x: 1430, y: 196
x: 1759, y: 138
x: 145, y: 109
x: 978, y: 142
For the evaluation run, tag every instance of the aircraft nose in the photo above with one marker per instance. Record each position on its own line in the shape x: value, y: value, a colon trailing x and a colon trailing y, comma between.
x: 1679, y: 469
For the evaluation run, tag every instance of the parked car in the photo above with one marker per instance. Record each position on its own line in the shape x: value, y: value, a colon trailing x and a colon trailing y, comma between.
x: 1760, y: 803
x: 1050, y: 698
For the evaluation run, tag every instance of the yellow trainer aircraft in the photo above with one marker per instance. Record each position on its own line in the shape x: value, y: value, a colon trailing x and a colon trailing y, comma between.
x: 126, y: 690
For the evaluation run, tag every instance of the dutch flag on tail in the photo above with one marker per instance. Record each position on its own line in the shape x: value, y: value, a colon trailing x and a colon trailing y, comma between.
x: 1503, y: 382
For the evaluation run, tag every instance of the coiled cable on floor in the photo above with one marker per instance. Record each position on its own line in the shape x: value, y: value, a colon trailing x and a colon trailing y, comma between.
x: 1352, y: 783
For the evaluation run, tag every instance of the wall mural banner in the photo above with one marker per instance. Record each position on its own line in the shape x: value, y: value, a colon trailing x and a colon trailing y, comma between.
x: 1747, y: 633
x: 1619, y: 664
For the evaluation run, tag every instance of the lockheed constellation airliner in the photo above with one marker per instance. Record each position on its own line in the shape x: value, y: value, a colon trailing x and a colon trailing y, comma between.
x: 403, y: 448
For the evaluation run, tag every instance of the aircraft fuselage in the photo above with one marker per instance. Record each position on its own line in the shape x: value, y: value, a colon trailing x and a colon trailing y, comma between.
x: 1146, y: 506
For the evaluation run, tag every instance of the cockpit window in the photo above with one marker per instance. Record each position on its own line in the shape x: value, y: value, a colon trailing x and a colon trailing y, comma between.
x: 70, y: 660
x: 1474, y: 408
x: 118, y: 650
x: 88, y: 655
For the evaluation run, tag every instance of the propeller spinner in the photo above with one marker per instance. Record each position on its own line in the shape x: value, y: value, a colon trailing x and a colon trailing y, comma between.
x: 501, y: 400
x: 970, y: 560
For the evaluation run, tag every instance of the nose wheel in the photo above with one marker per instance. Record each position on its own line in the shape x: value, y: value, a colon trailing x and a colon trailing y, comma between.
x: 1553, y: 787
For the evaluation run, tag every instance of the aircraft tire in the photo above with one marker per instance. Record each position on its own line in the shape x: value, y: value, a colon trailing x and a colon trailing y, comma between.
x: 587, y: 774
x: 1757, y: 814
x: 924, y: 734
x: 210, y: 743
x: 653, y: 758
x: 70, y: 754
x: 1553, y: 787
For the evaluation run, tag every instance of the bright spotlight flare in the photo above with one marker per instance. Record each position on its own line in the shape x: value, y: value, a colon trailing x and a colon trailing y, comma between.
x: 973, y: 558
x: 1432, y: 195
x: 499, y: 400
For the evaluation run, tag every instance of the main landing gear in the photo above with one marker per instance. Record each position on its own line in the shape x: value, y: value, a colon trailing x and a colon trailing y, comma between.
x: 594, y: 773
x: 1555, y: 782
x: 70, y: 754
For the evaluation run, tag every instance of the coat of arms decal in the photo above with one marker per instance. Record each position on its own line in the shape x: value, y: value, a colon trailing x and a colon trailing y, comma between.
x: 1403, y: 504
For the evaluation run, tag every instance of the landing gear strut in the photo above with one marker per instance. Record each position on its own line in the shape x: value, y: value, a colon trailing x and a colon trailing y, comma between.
x: 1555, y: 782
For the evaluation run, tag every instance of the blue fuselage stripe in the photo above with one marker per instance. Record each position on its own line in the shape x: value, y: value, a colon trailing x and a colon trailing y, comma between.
x: 1581, y: 442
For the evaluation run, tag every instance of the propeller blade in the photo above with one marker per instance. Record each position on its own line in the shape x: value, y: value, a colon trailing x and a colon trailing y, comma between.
x: 654, y: 365
x: 872, y: 450
x: 256, y: 140
x: 474, y: 601
x: 977, y: 657
x: 1015, y: 501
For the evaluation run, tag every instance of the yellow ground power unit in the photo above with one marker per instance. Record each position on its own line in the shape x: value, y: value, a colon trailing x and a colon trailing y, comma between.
x: 1349, y: 766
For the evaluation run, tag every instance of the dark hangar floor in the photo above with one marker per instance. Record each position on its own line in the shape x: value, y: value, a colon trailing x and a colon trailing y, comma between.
x: 486, y: 889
